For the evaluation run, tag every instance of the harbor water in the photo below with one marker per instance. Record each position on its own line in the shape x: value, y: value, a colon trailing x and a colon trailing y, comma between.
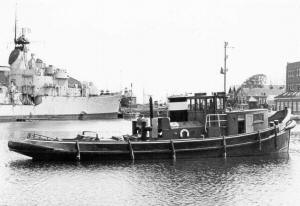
x: 264, y: 180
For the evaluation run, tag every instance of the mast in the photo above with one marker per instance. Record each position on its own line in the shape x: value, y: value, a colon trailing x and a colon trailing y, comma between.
x: 225, y: 70
x: 15, y: 38
x: 225, y: 66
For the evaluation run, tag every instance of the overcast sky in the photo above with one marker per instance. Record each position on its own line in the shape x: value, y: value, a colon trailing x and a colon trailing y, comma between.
x: 163, y: 47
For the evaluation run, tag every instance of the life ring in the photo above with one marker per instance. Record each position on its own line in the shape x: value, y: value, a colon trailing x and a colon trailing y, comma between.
x: 184, y: 130
x: 82, y: 115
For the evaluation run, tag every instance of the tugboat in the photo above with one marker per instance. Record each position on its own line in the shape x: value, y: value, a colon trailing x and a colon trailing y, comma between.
x: 207, y: 130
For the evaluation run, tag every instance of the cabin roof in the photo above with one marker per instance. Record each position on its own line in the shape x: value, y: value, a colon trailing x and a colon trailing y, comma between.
x: 179, y: 96
x: 207, y: 96
x: 197, y: 95
x: 252, y: 99
x: 4, y: 69
x: 247, y: 111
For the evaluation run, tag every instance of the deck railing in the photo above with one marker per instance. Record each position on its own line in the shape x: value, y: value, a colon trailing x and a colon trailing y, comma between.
x: 35, y: 136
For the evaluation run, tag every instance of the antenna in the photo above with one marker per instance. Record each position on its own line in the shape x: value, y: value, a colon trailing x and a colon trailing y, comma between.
x: 225, y: 69
x: 15, y: 39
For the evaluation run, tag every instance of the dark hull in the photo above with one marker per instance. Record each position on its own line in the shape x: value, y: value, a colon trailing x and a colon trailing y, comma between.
x: 266, y: 142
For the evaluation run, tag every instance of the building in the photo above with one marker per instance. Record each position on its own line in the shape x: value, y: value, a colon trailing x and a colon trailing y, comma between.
x: 4, y: 76
x: 258, y: 97
x: 291, y: 97
x: 293, y: 77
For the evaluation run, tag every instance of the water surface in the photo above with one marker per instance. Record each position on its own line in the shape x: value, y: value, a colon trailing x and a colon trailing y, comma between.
x: 267, y: 180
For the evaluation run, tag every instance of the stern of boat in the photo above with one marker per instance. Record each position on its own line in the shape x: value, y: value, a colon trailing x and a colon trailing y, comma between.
x: 37, y: 151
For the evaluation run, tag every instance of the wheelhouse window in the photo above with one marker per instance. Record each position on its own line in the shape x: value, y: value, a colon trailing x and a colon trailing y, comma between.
x: 294, y: 108
x: 178, y: 99
x: 258, y: 118
x: 298, y: 106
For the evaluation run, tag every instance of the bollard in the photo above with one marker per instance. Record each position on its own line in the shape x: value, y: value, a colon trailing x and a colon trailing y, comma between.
x: 134, y: 127
x: 275, y: 137
x: 144, y: 130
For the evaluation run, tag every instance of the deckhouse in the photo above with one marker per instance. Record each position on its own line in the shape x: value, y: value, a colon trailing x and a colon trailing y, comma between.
x: 202, y: 115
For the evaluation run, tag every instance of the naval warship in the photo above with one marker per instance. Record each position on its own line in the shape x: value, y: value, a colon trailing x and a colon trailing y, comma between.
x: 31, y: 89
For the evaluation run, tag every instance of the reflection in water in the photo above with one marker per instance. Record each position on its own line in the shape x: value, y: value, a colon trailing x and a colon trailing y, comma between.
x: 232, y: 181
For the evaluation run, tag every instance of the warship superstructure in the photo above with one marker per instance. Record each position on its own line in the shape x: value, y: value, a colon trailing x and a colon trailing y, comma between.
x: 34, y: 90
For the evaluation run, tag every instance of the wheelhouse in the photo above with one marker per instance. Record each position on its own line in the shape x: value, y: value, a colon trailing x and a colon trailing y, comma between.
x: 202, y: 116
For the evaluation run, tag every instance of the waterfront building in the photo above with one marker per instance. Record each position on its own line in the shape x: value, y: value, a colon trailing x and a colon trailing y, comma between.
x: 291, y: 97
x: 256, y: 97
x: 4, y: 76
x: 293, y: 77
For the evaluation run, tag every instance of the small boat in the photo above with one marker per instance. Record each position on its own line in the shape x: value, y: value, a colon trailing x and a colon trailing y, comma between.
x: 208, y: 130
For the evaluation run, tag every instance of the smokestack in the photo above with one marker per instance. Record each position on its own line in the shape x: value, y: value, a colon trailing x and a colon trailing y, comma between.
x: 151, y: 109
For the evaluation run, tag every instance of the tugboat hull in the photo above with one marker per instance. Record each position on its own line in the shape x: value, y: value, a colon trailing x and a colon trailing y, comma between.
x: 262, y: 143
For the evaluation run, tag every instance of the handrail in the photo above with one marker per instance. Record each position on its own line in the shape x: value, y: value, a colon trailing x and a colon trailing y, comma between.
x: 221, y: 120
x: 40, y: 137
x: 208, y: 120
x: 217, y: 114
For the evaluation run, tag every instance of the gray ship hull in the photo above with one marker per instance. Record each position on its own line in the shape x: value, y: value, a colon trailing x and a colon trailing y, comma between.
x: 64, y: 108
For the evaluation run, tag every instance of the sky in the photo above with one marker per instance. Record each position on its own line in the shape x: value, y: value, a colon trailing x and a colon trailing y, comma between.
x: 162, y: 47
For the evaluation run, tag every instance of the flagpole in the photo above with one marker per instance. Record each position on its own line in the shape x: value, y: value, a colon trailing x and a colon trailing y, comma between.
x: 225, y: 66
